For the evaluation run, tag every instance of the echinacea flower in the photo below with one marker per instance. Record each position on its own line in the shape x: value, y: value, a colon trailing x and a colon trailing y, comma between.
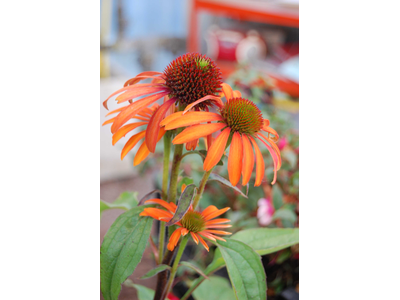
x: 144, y: 116
x: 240, y: 122
x: 198, y: 224
x: 187, y: 79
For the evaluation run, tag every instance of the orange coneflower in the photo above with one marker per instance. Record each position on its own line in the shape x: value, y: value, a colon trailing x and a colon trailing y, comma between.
x: 240, y: 121
x: 198, y: 224
x: 144, y: 116
x: 187, y: 79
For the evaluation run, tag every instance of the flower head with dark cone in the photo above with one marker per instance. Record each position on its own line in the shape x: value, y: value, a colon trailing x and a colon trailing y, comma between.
x: 144, y: 117
x: 198, y: 224
x: 240, y: 121
x: 189, y: 78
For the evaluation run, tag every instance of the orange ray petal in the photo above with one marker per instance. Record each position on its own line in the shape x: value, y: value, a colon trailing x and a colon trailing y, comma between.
x: 197, y: 131
x: 217, y: 101
x: 248, y: 160
x: 141, y: 118
x: 147, y: 73
x: 133, y: 109
x: 210, y: 209
x: 216, y: 213
x: 143, y: 151
x: 157, y: 213
x: 192, y: 145
x: 138, y: 78
x: 235, y: 159
x: 116, y: 110
x: 217, y: 221
x: 216, y: 150
x: 194, y: 118
x: 163, y: 203
x: 128, y: 95
x: 260, y: 166
x: 277, y: 152
x: 227, y: 91
x: 108, y: 121
x: 203, y: 243
x: 171, y: 118
x: 131, y: 143
x: 211, y: 236
x: 173, y: 240
x: 124, y: 130
x: 266, y: 122
x: 274, y: 159
x: 194, y: 237
x: 237, y: 94
x: 153, y: 129
x: 219, y: 226
x: 219, y: 232
x: 272, y: 131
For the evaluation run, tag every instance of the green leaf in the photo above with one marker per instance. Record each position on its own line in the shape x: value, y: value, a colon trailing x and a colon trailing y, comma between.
x: 290, y: 156
x: 218, y: 288
x: 225, y: 182
x: 155, y: 271
x: 285, y: 214
x: 277, y: 197
x: 144, y: 293
x: 268, y: 240
x: 193, y: 267
x: 245, y: 270
x: 184, y: 203
x: 126, y: 201
x: 122, y: 250
x: 141, y: 202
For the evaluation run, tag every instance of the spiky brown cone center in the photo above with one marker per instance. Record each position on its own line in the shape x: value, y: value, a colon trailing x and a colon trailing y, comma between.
x: 191, y: 77
x: 193, y: 221
x: 242, y: 116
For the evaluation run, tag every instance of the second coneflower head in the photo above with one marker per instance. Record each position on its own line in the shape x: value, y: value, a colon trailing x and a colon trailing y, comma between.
x: 241, y: 123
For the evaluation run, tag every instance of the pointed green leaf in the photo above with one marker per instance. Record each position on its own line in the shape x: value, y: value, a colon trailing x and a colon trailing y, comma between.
x: 155, y: 271
x: 285, y: 214
x: 122, y: 250
x: 126, y: 201
x: 245, y: 270
x: 193, y: 267
x: 225, y: 182
x: 144, y: 198
x: 268, y: 240
x: 144, y: 293
x: 217, y: 288
x: 184, y: 203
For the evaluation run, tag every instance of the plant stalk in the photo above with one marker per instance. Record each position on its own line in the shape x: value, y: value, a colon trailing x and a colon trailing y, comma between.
x: 201, y: 188
x: 173, y: 184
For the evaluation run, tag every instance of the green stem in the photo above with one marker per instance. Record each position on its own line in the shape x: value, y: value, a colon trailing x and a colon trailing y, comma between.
x: 182, y: 247
x: 201, y: 188
x: 173, y: 184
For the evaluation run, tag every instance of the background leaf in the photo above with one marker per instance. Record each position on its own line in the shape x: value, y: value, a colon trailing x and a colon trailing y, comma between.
x: 144, y: 293
x: 183, y: 205
x: 245, y: 270
x: 126, y: 201
x: 285, y: 214
x: 193, y: 267
x: 217, y: 288
x: 268, y: 240
x: 277, y: 196
x: 122, y: 250
x: 155, y: 271
x: 225, y: 182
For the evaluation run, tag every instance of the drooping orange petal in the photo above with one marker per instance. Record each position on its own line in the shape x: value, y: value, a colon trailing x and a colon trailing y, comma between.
x: 266, y: 123
x: 131, y: 143
x: 128, y: 95
x: 216, y: 213
x: 157, y: 213
x: 276, y: 154
x: 138, y: 78
x: 194, y: 237
x: 193, y: 118
x: 211, y: 236
x: 173, y: 240
x: 235, y: 159
x: 237, y: 94
x: 143, y: 151
x: 219, y: 226
x: 203, y: 243
x: 163, y: 203
x: 271, y: 131
x: 133, y: 109
x: 124, y: 130
x: 216, y: 150
x: 260, y: 166
x: 210, y: 209
x: 248, y: 160
x: 217, y: 221
x: 192, y: 145
x: 184, y: 231
x: 227, y: 91
x: 108, y: 121
x: 116, y: 110
x: 147, y: 73
x: 153, y: 128
x: 274, y: 159
x: 197, y: 131
x: 141, y: 118
x: 218, y: 232
x: 216, y: 100
x: 171, y: 118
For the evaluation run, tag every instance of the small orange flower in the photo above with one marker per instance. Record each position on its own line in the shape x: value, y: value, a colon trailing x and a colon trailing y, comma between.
x: 187, y: 79
x: 197, y: 224
x: 241, y: 121
x: 144, y: 116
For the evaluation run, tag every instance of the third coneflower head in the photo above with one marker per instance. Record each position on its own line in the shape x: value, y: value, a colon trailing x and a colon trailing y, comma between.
x: 241, y: 121
x: 189, y: 78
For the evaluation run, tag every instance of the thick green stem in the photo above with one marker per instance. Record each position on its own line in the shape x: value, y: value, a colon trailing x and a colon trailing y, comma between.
x: 173, y: 184
x: 201, y: 188
x: 175, y: 265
